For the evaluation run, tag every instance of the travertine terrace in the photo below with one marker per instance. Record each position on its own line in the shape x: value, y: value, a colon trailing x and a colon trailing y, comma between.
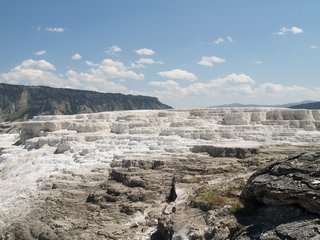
x: 59, y: 154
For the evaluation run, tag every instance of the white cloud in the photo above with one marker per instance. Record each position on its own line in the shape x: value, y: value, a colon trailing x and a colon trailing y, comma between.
x: 55, y: 29
x: 210, y: 61
x: 223, y: 40
x: 137, y: 65
x: 258, y: 62
x: 285, y: 30
x: 219, y: 40
x: 173, y: 88
x: 115, y: 69
x: 233, y: 79
x: 178, y: 74
x: 32, y: 72
x: 143, y: 61
x: 92, y: 81
x: 40, y: 64
x: 76, y: 57
x: 314, y: 46
x: 271, y: 88
x: 232, y: 84
x: 145, y: 51
x: 113, y: 50
x: 295, y: 30
x: 169, y: 84
x: 98, y: 77
x: 40, y: 53
x: 231, y: 88
x: 146, y: 61
x: 230, y: 39
x: 91, y: 64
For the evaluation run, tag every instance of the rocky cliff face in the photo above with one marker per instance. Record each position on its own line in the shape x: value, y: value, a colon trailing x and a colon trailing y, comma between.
x: 23, y: 102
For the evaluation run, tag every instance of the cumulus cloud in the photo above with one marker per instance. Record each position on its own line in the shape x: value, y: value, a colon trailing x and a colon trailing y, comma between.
x: 113, y: 50
x: 76, y: 57
x: 40, y: 64
x: 233, y: 79
x: 40, y: 53
x: 99, y: 77
x: 271, y: 88
x: 55, y: 29
x: 210, y: 61
x: 32, y: 72
x: 93, y: 81
x: 145, y: 51
x: 286, y: 30
x: 172, y: 88
x: 178, y: 74
x: 115, y: 69
x: 232, y: 85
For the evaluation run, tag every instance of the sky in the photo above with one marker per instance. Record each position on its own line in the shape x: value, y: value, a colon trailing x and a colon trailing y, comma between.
x: 187, y: 53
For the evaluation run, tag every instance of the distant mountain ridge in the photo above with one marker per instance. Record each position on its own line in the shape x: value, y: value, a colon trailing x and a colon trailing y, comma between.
x: 312, y: 105
x: 287, y: 105
x: 19, y: 102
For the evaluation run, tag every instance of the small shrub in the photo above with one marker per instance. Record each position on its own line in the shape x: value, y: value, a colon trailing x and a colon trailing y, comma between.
x: 236, y: 206
x: 214, y: 198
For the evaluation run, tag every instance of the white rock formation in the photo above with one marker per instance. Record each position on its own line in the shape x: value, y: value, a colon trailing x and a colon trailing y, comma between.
x: 82, y: 143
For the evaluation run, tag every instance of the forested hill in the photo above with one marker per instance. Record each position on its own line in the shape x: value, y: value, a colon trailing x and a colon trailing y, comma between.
x: 19, y: 102
x: 313, y: 105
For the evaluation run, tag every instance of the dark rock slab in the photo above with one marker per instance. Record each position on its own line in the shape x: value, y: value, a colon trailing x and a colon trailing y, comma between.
x: 295, y: 181
x: 279, y: 223
x: 282, y: 201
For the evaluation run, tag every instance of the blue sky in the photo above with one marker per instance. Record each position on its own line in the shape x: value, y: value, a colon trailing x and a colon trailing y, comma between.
x: 188, y: 53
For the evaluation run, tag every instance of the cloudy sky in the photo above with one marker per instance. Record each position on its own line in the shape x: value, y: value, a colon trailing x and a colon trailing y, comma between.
x: 187, y: 53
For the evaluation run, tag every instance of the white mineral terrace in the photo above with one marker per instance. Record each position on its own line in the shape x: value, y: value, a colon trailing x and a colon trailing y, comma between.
x: 79, y: 144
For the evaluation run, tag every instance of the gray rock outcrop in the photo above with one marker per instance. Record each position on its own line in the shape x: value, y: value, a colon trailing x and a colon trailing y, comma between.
x: 295, y: 181
x: 283, y: 200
